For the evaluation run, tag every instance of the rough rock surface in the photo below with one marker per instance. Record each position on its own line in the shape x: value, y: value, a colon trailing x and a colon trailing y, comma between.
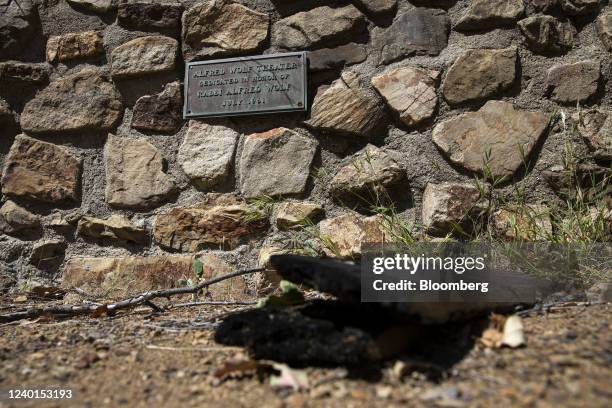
x: 23, y: 73
x: 448, y: 205
x: 322, y: 25
x: 117, y: 228
x: 41, y: 171
x: 98, y: 6
x: 571, y: 83
x: 72, y: 46
x: 494, y: 137
x: 604, y: 29
x: 418, y: 31
x: 160, y: 113
x: 144, y: 55
x: 580, y: 7
x: 15, y: 219
x: 294, y: 213
x: 547, y: 35
x: 378, y: 7
x: 47, y: 252
x: 16, y: 26
x: 345, y: 108
x: 528, y: 223
x: 231, y: 289
x: 276, y: 163
x: 410, y: 92
x: 484, y: 14
x: 370, y: 169
x: 479, y: 74
x: 338, y: 57
x: 595, y: 127
x: 73, y: 103
x: 222, y: 28
x: 346, y: 233
x: 150, y: 16
x: 207, y: 153
x: 8, y: 119
x: 221, y: 220
x: 121, y: 277
x: 134, y: 174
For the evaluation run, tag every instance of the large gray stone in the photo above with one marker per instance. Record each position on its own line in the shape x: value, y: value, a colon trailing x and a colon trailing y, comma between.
x: 369, y: 170
x: 207, y: 153
x: 416, y: 32
x: 494, y: 139
x: 160, y: 113
x: 410, y: 92
x: 134, y: 174
x: 571, y: 83
x: 480, y: 74
x: 41, y: 171
x: 345, y: 108
x: 144, y: 55
x: 484, y: 14
x: 17, y: 25
x: 222, y: 28
x: 74, y: 103
x: 595, y: 127
x: 276, y: 163
x: 604, y: 29
x: 339, y: 57
x: 547, y: 35
x: 450, y: 207
x: 316, y: 27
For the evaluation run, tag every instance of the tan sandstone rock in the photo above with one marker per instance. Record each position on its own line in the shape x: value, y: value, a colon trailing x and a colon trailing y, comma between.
x: 447, y: 206
x: 410, y: 92
x: 116, y: 228
x: 595, y: 127
x: 526, y: 223
x: 344, y: 108
x: 479, y: 74
x: 222, y: 28
x: 72, y: 46
x: 220, y: 220
x: 144, y: 55
x: 496, y: 138
x: 370, y: 169
x: 290, y: 214
x: 276, y: 163
x: 15, y: 219
x: 74, y: 103
x: 41, y: 171
x: 134, y: 174
x: 207, y: 153
x: 344, y: 235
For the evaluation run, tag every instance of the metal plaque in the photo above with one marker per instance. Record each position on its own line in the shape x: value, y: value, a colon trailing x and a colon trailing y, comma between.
x: 245, y: 86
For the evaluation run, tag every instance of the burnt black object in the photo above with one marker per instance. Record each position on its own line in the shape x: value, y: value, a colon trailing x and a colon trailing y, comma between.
x: 341, y: 279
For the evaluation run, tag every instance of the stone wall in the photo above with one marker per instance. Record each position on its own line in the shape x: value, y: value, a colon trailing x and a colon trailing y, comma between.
x: 103, y: 182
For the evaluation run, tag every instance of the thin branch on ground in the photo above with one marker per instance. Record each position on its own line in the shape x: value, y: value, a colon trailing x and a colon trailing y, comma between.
x: 111, y: 308
x: 214, y: 303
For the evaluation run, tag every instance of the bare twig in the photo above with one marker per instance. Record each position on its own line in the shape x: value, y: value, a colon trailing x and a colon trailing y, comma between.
x: 215, y: 303
x: 112, y: 308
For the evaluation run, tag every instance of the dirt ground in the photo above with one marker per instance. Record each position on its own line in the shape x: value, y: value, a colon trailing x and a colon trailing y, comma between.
x: 138, y: 359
